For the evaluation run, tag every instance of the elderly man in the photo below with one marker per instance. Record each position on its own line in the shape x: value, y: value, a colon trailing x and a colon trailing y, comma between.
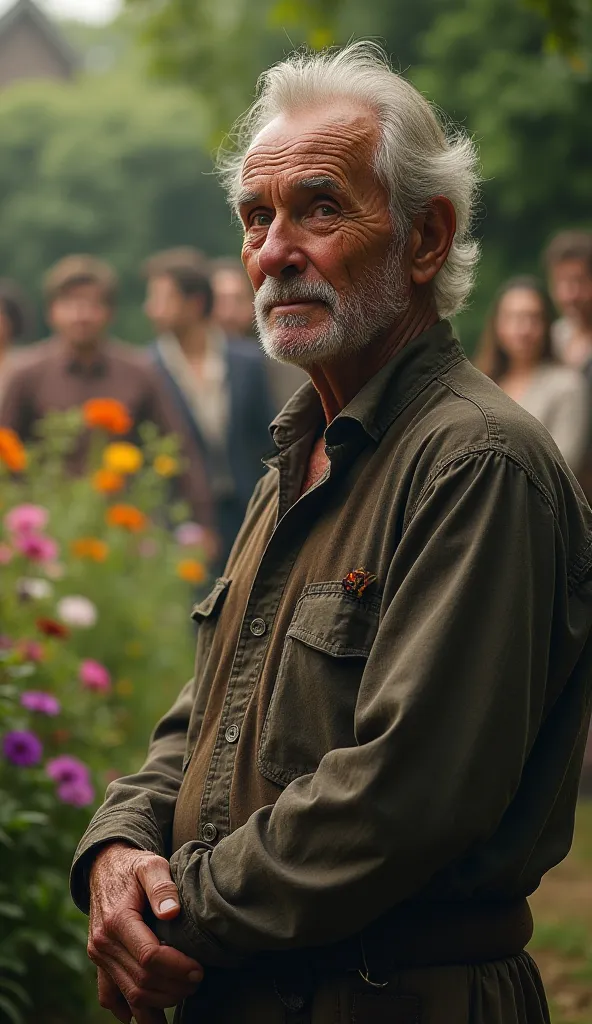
x: 377, y: 759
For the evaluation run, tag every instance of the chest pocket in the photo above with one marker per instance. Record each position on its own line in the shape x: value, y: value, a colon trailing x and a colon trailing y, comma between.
x: 311, y: 710
x: 205, y: 615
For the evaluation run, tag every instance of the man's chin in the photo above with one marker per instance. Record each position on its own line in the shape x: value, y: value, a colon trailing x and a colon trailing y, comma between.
x: 297, y: 347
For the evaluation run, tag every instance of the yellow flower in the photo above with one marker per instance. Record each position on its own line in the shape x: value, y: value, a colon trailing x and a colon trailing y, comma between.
x: 122, y: 457
x: 191, y: 571
x: 124, y: 687
x: 166, y: 465
x: 90, y: 547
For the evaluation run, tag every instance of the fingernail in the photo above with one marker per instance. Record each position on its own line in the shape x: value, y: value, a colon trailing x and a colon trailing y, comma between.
x: 194, y: 977
x: 167, y: 905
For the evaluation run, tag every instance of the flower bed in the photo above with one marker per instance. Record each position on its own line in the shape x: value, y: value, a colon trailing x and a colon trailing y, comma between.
x: 98, y: 574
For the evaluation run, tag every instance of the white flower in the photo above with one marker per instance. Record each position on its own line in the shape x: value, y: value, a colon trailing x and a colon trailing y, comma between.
x: 77, y: 611
x: 34, y: 588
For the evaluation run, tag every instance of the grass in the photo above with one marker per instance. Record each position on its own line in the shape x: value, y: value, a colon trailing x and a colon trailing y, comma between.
x: 562, y: 943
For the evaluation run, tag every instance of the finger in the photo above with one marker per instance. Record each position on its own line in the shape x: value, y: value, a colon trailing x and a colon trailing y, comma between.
x: 111, y: 998
x: 142, y: 944
x: 154, y: 875
x: 142, y: 987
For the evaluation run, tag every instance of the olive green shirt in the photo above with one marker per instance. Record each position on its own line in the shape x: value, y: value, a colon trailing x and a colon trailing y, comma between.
x: 337, y: 752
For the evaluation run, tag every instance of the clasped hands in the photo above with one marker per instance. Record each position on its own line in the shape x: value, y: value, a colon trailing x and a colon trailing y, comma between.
x: 137, y: 976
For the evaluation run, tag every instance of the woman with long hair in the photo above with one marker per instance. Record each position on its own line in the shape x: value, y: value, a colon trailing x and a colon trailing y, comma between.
x: 515, y: 351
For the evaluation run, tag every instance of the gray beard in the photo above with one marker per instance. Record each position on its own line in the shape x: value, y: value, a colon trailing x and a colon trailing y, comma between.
x: 355, y: 319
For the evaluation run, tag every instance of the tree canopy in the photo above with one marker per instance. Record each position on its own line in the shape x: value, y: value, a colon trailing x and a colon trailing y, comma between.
x: 115, y: 168
x: 517, y: 76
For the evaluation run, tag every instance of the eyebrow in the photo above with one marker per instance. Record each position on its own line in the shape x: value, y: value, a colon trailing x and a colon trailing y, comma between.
x: 319, y: 182
x: 322, y: 181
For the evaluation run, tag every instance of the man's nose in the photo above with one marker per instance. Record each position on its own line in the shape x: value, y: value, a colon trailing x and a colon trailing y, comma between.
x: 280, y: 255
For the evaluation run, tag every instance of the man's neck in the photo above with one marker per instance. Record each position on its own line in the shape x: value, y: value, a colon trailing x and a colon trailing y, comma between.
x: 193, y: 339
x: 338, y: 382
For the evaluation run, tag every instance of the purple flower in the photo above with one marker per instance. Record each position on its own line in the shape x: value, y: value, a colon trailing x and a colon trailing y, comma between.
x: 67, y: 770
x: 79, y: 793
x: 38, y: 700
x: 22, y: 747
x: 37, y: 547
x: 26, y: 519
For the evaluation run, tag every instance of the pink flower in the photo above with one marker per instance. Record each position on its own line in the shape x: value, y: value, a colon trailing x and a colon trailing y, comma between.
x: 94, y: 676
x: 36, y: 546
x: 38, y: 700
x: 189, y: 535
x: 6, y: 554
x: 25, y: 519
x: 79, y: 794
x: 31, y: 650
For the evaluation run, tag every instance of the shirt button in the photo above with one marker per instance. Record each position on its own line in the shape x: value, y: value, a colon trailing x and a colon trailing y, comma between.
x: 258, y: 627
x: 209, y: 832
x: 232, y: 733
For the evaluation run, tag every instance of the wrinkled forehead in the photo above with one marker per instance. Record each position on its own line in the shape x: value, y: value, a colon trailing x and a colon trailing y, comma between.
x: 337, y: 146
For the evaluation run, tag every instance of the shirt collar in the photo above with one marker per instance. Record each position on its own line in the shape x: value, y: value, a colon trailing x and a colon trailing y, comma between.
x: 77, y: 367
x: 382, y: 399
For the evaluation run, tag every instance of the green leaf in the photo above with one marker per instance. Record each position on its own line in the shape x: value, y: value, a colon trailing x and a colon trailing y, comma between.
x: 8, y: 963
x: 8, y: 985
x: 11, y: 910
x: 11, y: 1010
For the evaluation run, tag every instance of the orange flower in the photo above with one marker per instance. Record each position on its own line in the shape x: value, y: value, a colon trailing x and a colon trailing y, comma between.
x: 191, y: 571
x: 127, y: 516
x: 106, y: 481
x: 107, y: 414
x: 12, y: 452
x: 90, y: 547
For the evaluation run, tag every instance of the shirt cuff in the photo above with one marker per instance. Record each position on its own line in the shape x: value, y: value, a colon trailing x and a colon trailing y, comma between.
x: 184, y: 932
x: 129, y: 826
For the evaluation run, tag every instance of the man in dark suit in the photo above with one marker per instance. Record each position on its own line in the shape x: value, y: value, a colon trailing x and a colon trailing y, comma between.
x: 219, y: 383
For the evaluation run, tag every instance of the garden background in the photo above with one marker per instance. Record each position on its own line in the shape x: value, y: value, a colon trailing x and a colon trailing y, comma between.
x: 118, y: 162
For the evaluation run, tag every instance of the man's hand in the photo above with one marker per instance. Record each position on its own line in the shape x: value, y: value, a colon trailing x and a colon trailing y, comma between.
x: 137, y: 975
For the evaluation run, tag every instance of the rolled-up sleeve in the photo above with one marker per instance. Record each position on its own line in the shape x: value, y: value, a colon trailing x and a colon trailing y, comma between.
x: 450, y: 703
x: 139, y: 809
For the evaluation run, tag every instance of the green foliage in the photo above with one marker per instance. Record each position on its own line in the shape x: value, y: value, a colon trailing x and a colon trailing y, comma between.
x: 111, y: 166
x: 132, y: 579
x: 510, y: 73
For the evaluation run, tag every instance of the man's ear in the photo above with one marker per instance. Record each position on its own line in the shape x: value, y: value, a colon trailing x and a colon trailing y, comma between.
x: 431, y: 236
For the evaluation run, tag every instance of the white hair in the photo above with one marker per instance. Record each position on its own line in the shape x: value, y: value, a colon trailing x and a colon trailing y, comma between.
x: 418, y: 157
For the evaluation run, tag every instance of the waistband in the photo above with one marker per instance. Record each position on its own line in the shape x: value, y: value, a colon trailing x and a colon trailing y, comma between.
x: 417, y: 935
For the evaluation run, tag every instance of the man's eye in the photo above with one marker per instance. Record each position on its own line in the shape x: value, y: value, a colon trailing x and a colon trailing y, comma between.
x: 260, y: 220
x: 324, y: 210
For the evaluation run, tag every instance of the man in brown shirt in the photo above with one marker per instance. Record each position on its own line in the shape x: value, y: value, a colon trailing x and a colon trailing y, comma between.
x: 80, y: 362
x: 377, y: 759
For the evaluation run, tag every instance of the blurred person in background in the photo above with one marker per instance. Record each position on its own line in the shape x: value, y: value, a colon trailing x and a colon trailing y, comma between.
x: 568, y: 259
x: 233, y: 312
x: 80, y: 361
x: 516, y: 352
x: 13, y: 325
x: 218, y: 383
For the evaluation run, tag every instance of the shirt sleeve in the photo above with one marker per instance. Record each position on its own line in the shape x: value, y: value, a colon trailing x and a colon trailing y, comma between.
x: 139, y: 809
x: 449, y: 706
x: 15, y: 405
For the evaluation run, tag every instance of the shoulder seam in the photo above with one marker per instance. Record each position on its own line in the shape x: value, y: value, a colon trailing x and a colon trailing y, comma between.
x: 482, y: 449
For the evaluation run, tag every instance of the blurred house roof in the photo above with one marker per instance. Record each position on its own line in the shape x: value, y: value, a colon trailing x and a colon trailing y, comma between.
x: 32, y: 46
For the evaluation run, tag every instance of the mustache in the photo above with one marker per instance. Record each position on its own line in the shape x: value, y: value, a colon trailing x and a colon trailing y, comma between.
x: 274, y: 292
